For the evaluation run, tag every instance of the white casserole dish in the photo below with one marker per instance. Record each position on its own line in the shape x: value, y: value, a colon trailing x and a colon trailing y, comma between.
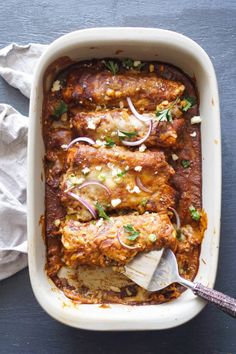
x: 143, y: 44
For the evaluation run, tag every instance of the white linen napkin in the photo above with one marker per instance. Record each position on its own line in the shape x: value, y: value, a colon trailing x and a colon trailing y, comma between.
x: 16, y: 67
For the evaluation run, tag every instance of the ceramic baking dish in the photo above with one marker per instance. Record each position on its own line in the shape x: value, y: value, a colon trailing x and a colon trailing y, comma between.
x: 143, y: 44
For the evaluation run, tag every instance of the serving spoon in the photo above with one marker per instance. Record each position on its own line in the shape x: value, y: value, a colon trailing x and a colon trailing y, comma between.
x: 155, y: 270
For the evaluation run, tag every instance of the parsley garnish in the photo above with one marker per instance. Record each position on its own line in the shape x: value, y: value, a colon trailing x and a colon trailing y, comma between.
x: 60, y: 109
x: 133, y: 234
x: 112, y: 66
x: 121, y: 174
x: 127, y: 63
x: 185, y: 163
x: 109, y: 142
x: 127, y: 134
x: 194, y: 213
x: 190, y: 102
x: 101, y: 211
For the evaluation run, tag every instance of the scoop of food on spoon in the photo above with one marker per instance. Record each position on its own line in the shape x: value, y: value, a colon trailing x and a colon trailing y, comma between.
x: 156, y: 270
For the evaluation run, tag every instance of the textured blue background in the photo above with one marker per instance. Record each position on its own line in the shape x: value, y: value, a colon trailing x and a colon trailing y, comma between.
x: 24, y: 326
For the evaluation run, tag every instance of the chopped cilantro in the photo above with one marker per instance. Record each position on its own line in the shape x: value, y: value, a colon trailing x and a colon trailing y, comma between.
x: 123, y: 134
x: 102, y: 177
x: 133, y: 234
x: 112, y: 66
x: 189, y: 102
x: 144, y: 202
x: 109, y: 142
x: 101, y: 211
x: 60, y: 109
x: 121, y: 174
x: 127, y: 63
x: 185, y: 163
x: 165, y: 115
x: 179, y: 235
x: 140, y: 66
x: 194, y: 213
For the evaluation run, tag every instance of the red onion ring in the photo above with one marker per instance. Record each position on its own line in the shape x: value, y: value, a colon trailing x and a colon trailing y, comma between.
x: 141, y: 186
x: 177, y: 218
x: 88, y: 183
x: 135, y: 112
x: 124, y: 244
x: 84, y: 139
x: 84, y: 203
x: 139, y: 142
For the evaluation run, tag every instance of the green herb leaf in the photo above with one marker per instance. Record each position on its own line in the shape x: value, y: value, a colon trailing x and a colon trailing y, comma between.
x: 60, y: 109
x: 109, y: 142
x: 152, y: 237
x: 133, y: 234
x: 140, y: 66
x: 121, y: 174
x: 144, y: 202
x: 101, y: 211
x: 185, y: 163
x: 127, y: 134
x: 190, y: 102
x: 194, y: 213
x: 165, y: 115
x: 179, y: 235
x: 112, y: 66
x: 127, y: 63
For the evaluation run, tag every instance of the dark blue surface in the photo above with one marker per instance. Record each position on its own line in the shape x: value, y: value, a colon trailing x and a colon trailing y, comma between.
x: 24, y: 326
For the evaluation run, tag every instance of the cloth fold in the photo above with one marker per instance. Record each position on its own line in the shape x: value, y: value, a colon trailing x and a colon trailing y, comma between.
x: 16, y: 67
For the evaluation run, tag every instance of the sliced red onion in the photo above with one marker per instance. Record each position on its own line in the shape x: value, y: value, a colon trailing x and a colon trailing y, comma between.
x: 88, y: 183
x: 84, y: 203
x: 84, y: 139
x: 141, y: 186
x: 176, y: 217
x: 135, y: 112
x: 139, y: 142
x: 124, y: 244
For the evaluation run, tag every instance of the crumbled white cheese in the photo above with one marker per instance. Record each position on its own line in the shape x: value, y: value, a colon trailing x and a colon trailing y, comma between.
x: 100, y: 142
x: 110, y: 165
x: 91, y: 125
x: 64, y: 146
x: 113, y: 133
x: 121, y: 104
x: 98, y: 168
x: 115, y: 202
x: 57, y: 222
x: 138, y: 168
x: 116, y: 153
x: 174, y: 157
x: 100, y: 222
x: 194, y: 134
x: 134, y: 190
x: 85, y: 170
x: 196, y: 120
x: 142, y: 148
x: 76, y: 180
x: 64, y: 117
x: 56, y: 86
x: 127, y: 168
x: 137, y: 63
x: 115, y: 172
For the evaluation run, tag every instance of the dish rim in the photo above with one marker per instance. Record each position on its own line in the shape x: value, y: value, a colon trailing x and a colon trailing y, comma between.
x: 113, y: 321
